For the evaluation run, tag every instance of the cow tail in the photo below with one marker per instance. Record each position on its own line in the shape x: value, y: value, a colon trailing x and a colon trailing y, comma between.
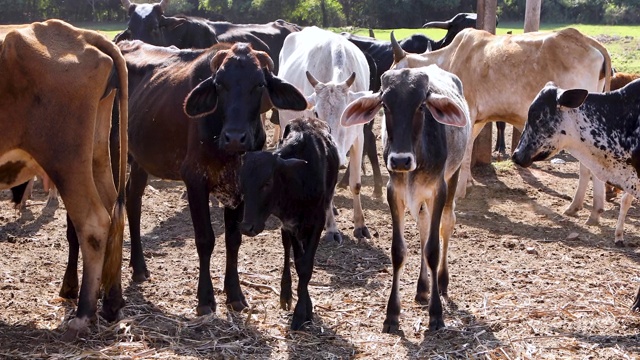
x: 113, y: 254
x: 607, y: 65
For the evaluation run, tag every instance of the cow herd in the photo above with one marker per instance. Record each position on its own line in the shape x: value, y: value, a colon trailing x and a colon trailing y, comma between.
x: 182, y: 98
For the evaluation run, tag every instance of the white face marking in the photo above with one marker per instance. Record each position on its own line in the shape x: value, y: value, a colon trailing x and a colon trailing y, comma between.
x: 143, y: 10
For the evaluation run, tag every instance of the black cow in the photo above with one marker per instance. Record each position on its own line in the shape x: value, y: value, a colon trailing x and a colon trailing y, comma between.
x: 226, y: 89
x: 427, y: 128
x: 381, y: 52
x: 296, y: 184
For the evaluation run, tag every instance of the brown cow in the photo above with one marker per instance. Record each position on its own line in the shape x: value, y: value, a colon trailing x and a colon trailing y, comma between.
x: 56, y: 95
x: 225, y: 91
x: 503, y: 74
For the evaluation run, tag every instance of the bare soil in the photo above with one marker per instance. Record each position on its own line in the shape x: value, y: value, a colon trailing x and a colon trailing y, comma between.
x: 526, y: 282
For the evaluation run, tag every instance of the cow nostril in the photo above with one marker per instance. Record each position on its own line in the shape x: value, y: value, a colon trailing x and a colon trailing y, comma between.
x: 227, y: 139
x: 243, y: 138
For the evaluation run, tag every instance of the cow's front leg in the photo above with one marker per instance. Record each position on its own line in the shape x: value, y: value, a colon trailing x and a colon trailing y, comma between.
x: 422, y: 214
x: 198, y: 195
x: 330, y: 224
x: 598, y: 201
x: 70, y: 285
x: 395, y: 196
x: 360, y: 230
x: 581, y: 190
x: 286, y: 296
x: 465, y: 179
x: 432, y: 249
x: 625, y: 204
x: 304, y: 250
x: 233, y: 239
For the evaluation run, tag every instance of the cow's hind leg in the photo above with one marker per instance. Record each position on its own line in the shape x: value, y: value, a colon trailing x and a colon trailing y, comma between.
x: 423, y: 221
x: 135, y: 189
x: 581, y: 190
x: 332, y: 232
x: 286, y: 296
x: 625, y: 204
x: 598, y: 201
x: 360, y: 229
x: 395, y: 196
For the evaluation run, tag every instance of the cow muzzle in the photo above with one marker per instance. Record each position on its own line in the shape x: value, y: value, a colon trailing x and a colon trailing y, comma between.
x: 401, y: 162
x: 520, y: 158
x: 250, y: 229
x: 235, y: 141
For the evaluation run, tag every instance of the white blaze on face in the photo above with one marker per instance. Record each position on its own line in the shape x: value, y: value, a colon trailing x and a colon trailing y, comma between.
x: 143, y: 10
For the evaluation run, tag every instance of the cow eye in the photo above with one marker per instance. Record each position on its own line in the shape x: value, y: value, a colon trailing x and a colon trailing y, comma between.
x: 423, y: 107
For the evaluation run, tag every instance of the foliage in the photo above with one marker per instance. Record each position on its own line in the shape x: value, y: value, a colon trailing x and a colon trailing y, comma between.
x: 361, y: 13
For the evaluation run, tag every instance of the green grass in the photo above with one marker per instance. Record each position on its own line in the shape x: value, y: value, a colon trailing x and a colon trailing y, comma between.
x: 622, y: 41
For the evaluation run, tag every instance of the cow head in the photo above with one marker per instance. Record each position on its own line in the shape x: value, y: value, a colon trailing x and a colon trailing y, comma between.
x: 453, y: 26
x: 409, y: 104
x: 241, y: 87
x: 145, y: 22
x: 262, y: 176
x: 329, y: 101
x: 545, y: 132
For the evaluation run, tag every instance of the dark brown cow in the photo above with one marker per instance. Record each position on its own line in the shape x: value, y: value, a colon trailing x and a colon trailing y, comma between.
x: 225, y: 90
x: 56, y: 95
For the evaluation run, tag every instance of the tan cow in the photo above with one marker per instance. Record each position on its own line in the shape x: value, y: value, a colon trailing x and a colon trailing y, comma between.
x: 502, y: 75
x: 56, y: 94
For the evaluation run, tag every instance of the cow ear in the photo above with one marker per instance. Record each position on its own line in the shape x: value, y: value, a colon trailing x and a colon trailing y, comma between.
x: 132, y: 9
x: 311, y: 100
x: 171, y: 22
x: 125, y: 35
x: 446, y: 111
x: 283, y: 95
x: 361, y: 111
x: 202, y: 100
x: 293, y: 163
x: 572, y: 98
x: 217, y: 60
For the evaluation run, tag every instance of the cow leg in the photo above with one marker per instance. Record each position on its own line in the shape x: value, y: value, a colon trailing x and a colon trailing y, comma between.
x: 581, y: 190
x: 436, y: 321
x: 332, y: 228
x: 625, y: 204
x: 372, y: 154
x: 423, y: 214
x: 91, y: 221
x: 304, y: 251
x: 395, y: 198
x: 501, y: 146
x: 465, y: 180
x: 286, y: 296
x: 598, y: 201
x: 198, y: 195
x: 636, y: 302
x: 360, y: 230
x: 69, y: 289
x: 135, y: 189
x: 446, y: 230
x: 233, y: 239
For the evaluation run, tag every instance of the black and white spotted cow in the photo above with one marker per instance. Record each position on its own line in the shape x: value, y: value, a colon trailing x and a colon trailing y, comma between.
x: 600, y: 130
x: 424, y: 135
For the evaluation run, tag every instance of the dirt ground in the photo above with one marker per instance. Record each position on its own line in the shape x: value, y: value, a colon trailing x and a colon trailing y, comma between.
x: 526, y: 282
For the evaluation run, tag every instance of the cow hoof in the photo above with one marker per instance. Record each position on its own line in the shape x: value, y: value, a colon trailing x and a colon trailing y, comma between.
x: 238, y: 305
x: 377, y: 193
x: 69, y: 335
x: 391, y: 327
x: 436, y: 324
x: 592, y: 221
x: 334, y: 236
x: 571, y: 211
x: 286, y: 304
x: 205, y: 310
x: 619, y: 243
x: 422, y: 298
x: 76, y: 327
x: 361, y: 233
x: 140, y: 276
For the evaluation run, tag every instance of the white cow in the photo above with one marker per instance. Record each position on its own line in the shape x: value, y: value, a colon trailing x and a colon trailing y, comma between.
x: 331, y: 72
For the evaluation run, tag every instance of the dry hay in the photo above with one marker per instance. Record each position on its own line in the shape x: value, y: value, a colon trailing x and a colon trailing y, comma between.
x: 523, y: 286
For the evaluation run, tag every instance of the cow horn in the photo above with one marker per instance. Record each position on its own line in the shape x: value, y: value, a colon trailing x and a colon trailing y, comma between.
x: 438, y: 25
x: 265, y: 60
x: 398, y: 53
x: 313, y: 81
x: 127, y: 4
x: 351, y: 79
x: 164, y: 4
